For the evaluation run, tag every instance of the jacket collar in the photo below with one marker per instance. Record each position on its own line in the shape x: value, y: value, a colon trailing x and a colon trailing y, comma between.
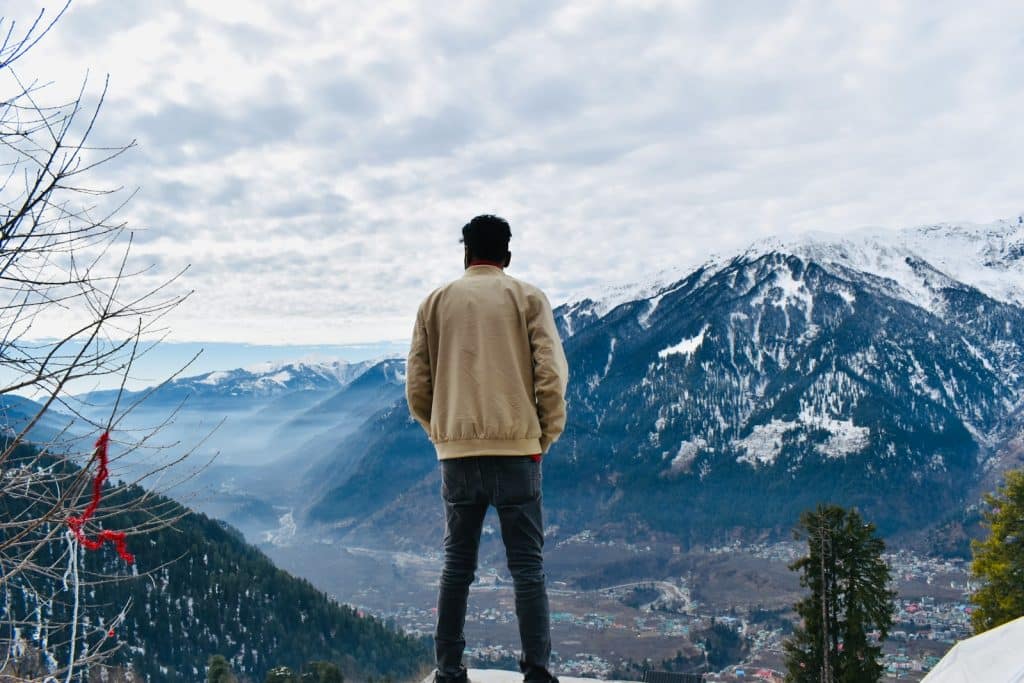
x: 483, y: 269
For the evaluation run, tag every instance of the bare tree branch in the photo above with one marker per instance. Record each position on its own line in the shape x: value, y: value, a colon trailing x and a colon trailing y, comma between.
x: 74, y: 308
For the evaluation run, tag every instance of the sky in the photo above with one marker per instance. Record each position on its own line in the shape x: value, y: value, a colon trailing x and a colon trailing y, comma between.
x: 312, y: 163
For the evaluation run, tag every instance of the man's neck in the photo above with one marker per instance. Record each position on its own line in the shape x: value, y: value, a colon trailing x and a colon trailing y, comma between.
x: 485, y: 262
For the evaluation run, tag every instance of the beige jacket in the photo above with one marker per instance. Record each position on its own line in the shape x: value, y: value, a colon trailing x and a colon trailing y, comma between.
x: 487, y: 372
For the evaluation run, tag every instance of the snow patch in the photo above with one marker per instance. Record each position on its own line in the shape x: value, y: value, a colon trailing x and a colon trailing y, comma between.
x: 688, y: 451
x: 686, y: 346
x: 652, y: 304
x: 611, y: 355
x: 846, y: 438
x: 977, y: 354
x: 763, y: 445
x: 282, y: 377
x: 794, y: 293
x: 919, y: 381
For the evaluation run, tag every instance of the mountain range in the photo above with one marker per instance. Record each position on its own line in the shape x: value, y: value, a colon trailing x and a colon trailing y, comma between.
x: 883, y: 371
x: 257, y: 435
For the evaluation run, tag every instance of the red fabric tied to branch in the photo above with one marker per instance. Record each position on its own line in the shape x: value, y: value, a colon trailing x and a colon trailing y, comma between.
x: 77, y: 523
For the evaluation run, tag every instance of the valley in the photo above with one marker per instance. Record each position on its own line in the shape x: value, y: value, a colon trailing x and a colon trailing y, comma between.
x: 612, y: 601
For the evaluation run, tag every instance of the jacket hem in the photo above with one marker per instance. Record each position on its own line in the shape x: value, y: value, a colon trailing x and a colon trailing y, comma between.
x: 470, y: 447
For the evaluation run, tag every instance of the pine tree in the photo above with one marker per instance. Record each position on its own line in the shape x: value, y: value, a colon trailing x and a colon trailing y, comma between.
x: 850, y: 597
x: 219, y: 671
x: 999, y: 559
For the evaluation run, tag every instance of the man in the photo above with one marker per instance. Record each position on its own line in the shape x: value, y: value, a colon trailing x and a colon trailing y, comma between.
x: 486, y: 379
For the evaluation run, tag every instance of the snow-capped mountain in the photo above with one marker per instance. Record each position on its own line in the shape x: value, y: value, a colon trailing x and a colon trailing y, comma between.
x: 263, y: 427
x: 264, y: 380
x: 271, y: 378
x: 878, y: 370
x: 988, y: 257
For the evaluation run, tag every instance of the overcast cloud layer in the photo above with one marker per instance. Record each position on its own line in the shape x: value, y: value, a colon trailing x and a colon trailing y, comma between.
x: 314, y: 161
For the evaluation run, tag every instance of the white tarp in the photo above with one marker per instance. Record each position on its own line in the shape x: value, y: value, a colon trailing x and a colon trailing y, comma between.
x: 995, y: 656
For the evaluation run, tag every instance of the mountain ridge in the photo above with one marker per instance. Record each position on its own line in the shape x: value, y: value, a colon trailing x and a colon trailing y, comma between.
x: 784, y: 370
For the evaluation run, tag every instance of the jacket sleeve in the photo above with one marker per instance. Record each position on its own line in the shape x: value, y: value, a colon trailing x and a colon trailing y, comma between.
x: 550, y: 372
x: 419, y: 390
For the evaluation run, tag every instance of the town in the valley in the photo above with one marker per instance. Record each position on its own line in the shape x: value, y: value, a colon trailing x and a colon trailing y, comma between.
x: 620, y: 606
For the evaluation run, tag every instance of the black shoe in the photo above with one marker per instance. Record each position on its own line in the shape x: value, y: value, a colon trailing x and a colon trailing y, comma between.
x: 461, y: 678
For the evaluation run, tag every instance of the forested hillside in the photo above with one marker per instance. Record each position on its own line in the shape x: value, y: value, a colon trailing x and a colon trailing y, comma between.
x: 198, y: 589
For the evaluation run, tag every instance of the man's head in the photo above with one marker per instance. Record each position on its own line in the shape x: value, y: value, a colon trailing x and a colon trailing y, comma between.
x: 486, y: 237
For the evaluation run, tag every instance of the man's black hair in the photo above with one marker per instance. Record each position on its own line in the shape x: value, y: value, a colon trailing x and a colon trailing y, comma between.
x: 487, y: 237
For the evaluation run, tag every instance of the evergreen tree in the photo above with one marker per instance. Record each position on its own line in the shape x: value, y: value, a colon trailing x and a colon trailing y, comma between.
x: 722, y: 645
x: 850, y: 597
x: 999, y: 559
x: 219, y: 671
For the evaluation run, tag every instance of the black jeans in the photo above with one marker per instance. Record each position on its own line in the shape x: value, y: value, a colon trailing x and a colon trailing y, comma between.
x: 512, y: 484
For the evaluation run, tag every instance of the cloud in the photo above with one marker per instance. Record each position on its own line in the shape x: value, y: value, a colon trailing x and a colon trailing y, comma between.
x: 315, y: 162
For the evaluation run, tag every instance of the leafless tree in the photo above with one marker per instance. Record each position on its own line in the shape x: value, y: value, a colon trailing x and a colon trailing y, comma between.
x: 73, y: 309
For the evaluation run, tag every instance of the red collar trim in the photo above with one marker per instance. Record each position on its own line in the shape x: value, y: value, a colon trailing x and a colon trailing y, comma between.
x: 485, y: 262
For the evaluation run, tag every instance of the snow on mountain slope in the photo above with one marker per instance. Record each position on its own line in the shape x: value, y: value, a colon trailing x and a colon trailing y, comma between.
x: 913, y: 264
x: 606, y: 297
x: 921, y: 260
x: 989, y: 257
x: 259, y: 381
x: 272, y: 376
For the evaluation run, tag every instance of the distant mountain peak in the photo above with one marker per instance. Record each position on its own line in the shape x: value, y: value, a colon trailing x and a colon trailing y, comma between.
x: 272, y: 376
x: 988, y: 257
x: 283, y: 371
x: 918, y: 262
x: 606, y: 297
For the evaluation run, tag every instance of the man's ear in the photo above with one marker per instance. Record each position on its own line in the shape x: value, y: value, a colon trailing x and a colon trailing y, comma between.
x: 508, y: 258
x: 465, y: 257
